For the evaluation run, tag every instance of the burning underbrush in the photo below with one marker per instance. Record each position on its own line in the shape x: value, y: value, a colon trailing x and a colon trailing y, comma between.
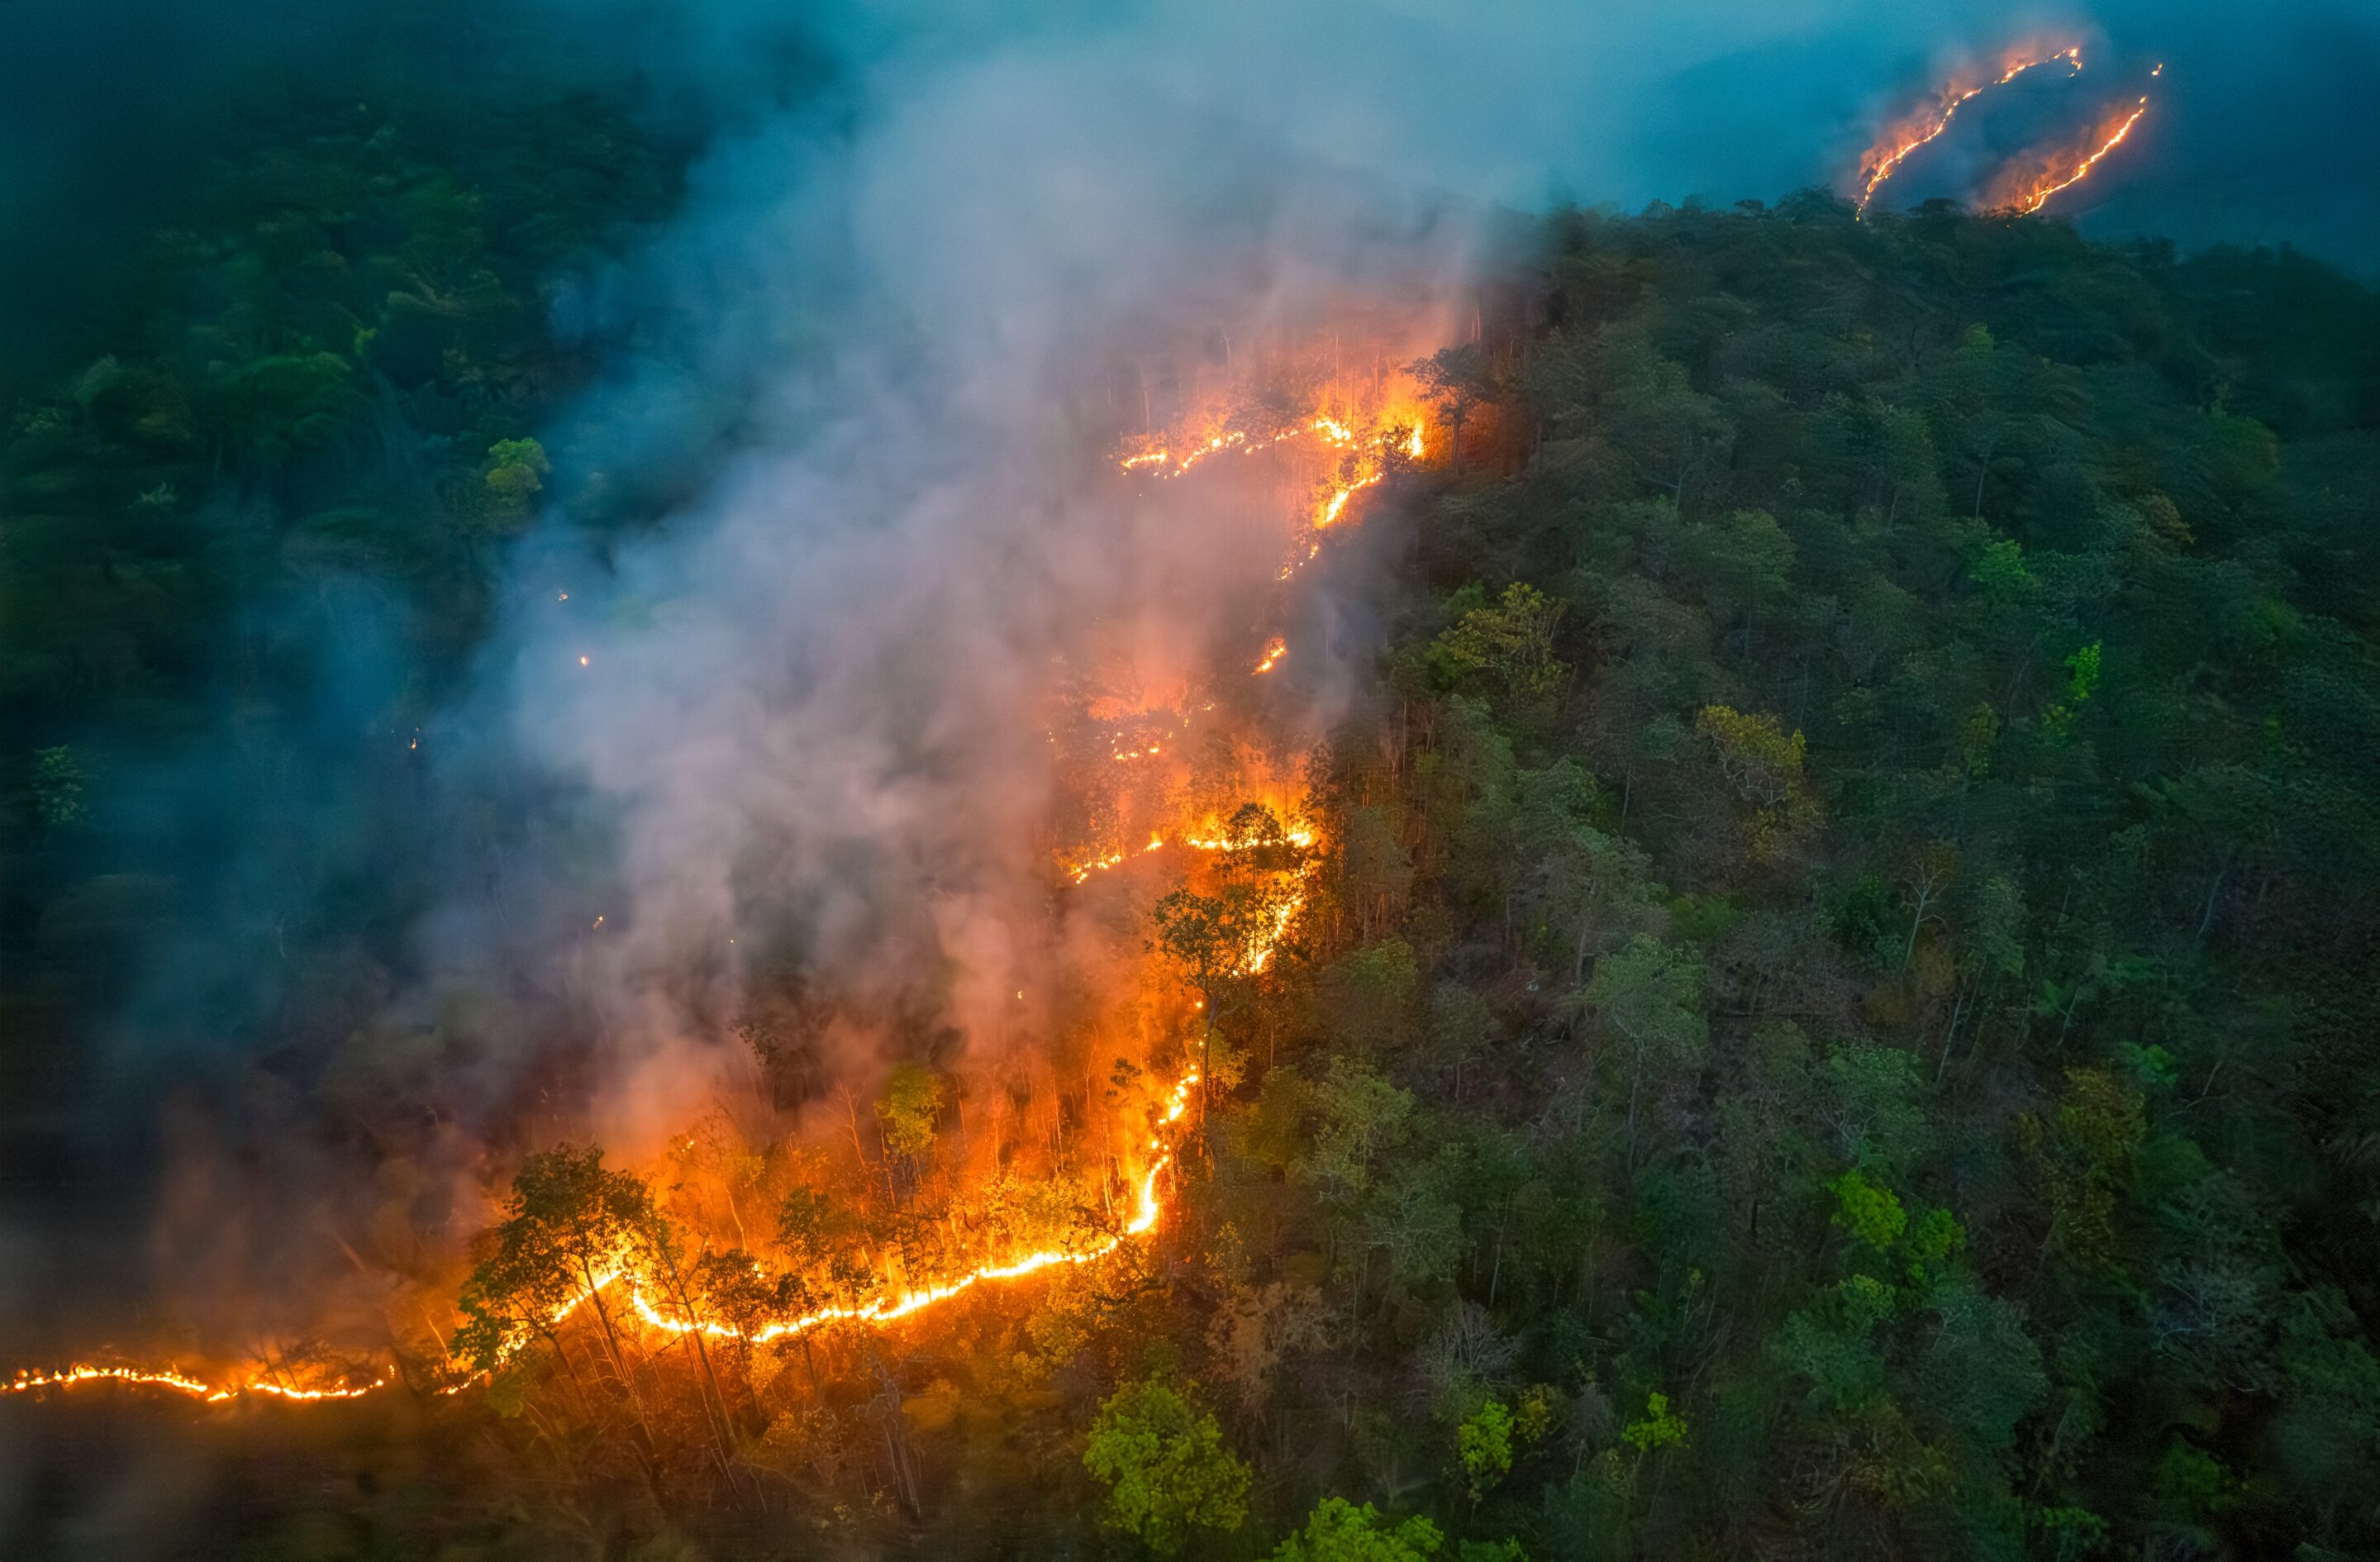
x: 912, y: 1200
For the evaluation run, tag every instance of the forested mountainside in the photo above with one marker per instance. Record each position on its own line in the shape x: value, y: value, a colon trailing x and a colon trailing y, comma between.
x: 1834, y: 1015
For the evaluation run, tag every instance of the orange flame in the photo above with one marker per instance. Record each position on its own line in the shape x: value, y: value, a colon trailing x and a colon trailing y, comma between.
x: 1899, y: 141
x: 1147, y: 1210
x: 1393, y: 430
x: 2030, y: 196
x: 180, y: 1383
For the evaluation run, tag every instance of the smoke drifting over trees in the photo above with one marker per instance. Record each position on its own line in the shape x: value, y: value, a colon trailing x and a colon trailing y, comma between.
x: 619, y: 736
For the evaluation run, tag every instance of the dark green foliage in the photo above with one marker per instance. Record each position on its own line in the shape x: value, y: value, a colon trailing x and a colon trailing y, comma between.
x: 1884, y: 1052
x: 1836, y: 1016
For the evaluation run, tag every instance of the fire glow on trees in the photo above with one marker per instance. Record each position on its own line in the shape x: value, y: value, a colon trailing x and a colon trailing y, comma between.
x: 891, y: 1307
x: 1360, y: 440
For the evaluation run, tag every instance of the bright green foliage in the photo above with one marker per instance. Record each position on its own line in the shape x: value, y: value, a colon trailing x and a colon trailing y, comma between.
x: 2001, y: 572
x: 1358, y: 1115
x: 1936, y: 1237
x: 2082, y: 681
x: 1764, y: 764
x: 1339, y: 1532
x: 1868, y: 1210
x: 1658, y: 1427
x: 2083, y: 670
x: 1483, y: 1444
x: 1168, y: 1472
x: 1511, y: 642
x: 570, y: 1223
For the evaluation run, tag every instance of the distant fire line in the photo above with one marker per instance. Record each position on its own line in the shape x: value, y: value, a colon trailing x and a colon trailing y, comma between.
x: 1953, y: 99
x: 2034, y: 200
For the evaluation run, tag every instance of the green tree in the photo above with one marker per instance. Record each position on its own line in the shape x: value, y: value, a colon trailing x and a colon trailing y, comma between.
x: 1457, y: 381
x: 1658, y: 1427
x: 59, y: 778
x: 1483, y: 1442
x: 1167, y: 1469
x: 1651, y: 997
x: 1764, y: 766
x: 1511, y: 642
x: 1337, y: 1531
x: 516, y: 469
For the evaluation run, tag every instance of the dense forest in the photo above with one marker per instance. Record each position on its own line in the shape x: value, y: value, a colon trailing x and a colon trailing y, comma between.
x: 1834, y: 1015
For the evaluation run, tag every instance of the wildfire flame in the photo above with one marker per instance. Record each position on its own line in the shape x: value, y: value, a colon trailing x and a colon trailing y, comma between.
x: 1362, y: 449
x: 180, y: 1383
x: 1148, y: 1211
x: 1900, y: 141
x: 2032, y: 195
x: 1365, y: 454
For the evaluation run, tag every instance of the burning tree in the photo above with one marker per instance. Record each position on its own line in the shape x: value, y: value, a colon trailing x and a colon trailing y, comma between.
x: 1222, y: 941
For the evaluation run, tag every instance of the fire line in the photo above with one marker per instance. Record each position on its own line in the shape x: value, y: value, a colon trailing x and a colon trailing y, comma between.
x: 1882, y: 163
x: 1149, y: 1211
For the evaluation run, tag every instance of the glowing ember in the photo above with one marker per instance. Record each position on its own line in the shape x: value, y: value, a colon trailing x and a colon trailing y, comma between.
x: 1899, y: 141
x: 1273, y: 653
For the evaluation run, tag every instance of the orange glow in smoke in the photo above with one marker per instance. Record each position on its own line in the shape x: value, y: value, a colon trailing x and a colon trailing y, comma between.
x: 1360, y: 443
x: 1148, y: 1210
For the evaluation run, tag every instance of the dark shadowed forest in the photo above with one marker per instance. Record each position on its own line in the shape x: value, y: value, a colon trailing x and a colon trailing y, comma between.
x: 1814, y: 995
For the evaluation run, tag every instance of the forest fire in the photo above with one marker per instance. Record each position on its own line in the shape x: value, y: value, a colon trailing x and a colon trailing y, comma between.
x: 1148, y: 1211
x: 2025, y: 183
x: 1904, y: 139
x: 2026, y: 192
x: 1361, y: 436
x: 1139, y: 761
x: 180, y: 1383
